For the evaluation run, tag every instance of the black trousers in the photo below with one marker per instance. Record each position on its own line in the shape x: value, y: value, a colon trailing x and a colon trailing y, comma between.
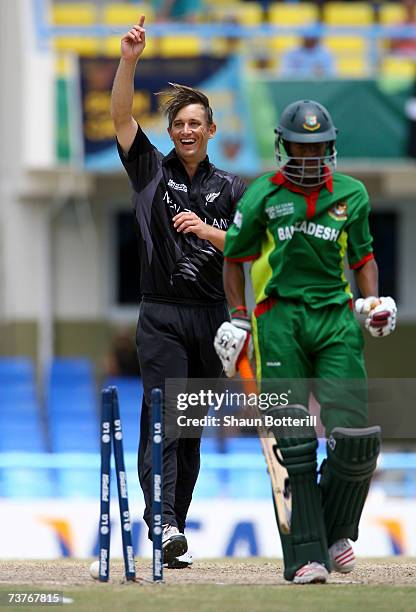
x: 174, y: 341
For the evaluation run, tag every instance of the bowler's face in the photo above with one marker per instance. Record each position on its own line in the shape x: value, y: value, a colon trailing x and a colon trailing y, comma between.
x: 190, y: 133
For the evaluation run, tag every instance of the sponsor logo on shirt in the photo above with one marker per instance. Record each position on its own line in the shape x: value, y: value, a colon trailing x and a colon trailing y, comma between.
x: 211, y: 197
x: 175, y: 208
x: 177, y: 186
x: 238, y: 219
x: 310, y: 229
x: 280, y: 210
x: 339, y: 211
x: 166, y: 198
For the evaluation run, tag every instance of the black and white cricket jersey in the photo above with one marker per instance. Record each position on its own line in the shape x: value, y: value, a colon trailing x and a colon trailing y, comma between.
x: 178, y: 267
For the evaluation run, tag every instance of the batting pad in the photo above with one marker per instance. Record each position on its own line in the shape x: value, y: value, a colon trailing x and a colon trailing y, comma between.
x: 345, y: 479
x: 307, y: 539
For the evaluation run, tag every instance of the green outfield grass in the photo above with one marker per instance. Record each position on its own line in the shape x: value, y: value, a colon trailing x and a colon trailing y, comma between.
x: 221, y: 585
x: 216, y: 598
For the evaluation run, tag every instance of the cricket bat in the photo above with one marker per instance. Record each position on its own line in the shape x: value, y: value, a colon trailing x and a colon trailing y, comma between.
x: 278, y: 474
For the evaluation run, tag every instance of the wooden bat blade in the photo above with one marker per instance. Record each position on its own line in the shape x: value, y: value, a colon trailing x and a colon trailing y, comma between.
x: 278, y: 474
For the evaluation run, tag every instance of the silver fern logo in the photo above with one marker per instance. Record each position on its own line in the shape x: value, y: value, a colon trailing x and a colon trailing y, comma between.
x: 211, y: 197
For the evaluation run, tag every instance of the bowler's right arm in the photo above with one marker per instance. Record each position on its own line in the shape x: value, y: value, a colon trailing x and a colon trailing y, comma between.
x: 132, y: 47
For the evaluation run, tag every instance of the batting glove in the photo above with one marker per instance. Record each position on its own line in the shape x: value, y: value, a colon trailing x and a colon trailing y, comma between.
x: 381, y: 319
x: 364, y: 306
x: 232, y: 340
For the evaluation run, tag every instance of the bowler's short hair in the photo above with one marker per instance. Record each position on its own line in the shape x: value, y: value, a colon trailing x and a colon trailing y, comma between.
x: 179, y: 96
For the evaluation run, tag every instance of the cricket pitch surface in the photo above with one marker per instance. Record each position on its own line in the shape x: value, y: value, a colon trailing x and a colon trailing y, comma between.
x: 220, y: 585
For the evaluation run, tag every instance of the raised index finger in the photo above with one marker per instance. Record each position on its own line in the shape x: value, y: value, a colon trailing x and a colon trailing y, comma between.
x: 141, y: 20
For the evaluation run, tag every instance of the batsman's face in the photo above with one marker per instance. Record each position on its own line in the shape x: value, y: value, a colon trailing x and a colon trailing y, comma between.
x: 308, y: 155
x: 190, y: 133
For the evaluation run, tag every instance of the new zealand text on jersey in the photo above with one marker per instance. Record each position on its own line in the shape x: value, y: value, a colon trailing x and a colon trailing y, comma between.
x: 311, y: 229
x: 221, y: 224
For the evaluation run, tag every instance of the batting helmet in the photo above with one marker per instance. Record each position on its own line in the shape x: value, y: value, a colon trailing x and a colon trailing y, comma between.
x: 305, y: 121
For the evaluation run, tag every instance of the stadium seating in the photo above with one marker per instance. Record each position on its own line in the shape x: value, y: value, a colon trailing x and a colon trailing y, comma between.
x: 398, y: 67
x: 289, y: 15
x: 74, y: 13
x: 243, y: 13
x: 81, y: 45
x: 354, y: 54
x: 391, y: 13
x: 351, y: 45
x: 180, y: 46
x: 348, y: 14
x: 64, y: 370
x: 352, y: 67
x: 350, y: 53
x: 226, y: 464
x: 20, y: 415
x: 22, y: 432
x: 124, y: 13
x: 72, y: 406
x: 280, y: 44
x: 296, y: 14
x: 16, y: 370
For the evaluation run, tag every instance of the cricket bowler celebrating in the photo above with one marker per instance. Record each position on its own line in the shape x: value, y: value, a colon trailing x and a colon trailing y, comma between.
x: 296, y: 226
x: 181, y: 203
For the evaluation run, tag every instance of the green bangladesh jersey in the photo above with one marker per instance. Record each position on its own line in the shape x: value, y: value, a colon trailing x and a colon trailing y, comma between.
x: 299, y: 242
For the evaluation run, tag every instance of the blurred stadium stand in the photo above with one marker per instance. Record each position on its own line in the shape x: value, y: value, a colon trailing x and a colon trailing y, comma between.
x: 21, y: 429
x: 71, y: 470
x: 357, y: 33
x: 293, y: 14
x: 391, y: 13
x: 71, y: 401
x: 345, y: 14
x: 227, y: 475
x: 20, y: 415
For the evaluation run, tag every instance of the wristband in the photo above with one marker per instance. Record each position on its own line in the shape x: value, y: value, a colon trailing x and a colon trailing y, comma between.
x: 241, y: 308
x: 241, y: 319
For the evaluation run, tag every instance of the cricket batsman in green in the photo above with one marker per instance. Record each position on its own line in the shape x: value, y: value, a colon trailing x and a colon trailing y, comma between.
x: 297, y: 226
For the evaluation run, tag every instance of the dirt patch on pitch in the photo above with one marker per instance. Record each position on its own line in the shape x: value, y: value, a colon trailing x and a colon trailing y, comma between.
x: 66, y: 573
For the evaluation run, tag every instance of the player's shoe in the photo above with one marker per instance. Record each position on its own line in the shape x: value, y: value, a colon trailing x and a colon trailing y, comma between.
x: 174, y: 543
x: 342, y: 556
x: 311, y: 573
x: 180, y: 562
